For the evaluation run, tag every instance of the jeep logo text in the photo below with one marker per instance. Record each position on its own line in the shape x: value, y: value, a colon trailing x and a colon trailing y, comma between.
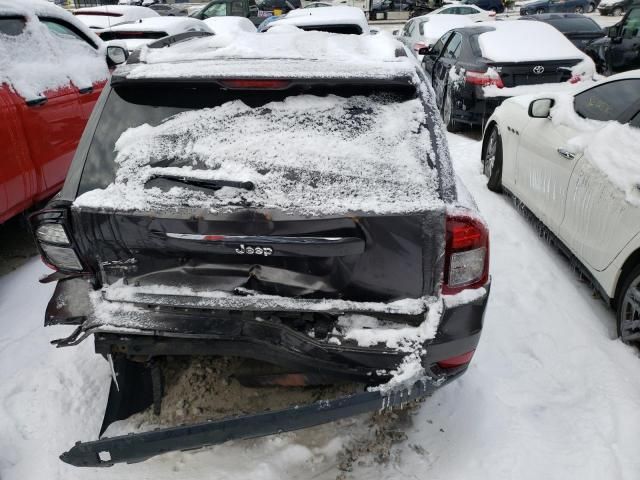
x: 266, y: 251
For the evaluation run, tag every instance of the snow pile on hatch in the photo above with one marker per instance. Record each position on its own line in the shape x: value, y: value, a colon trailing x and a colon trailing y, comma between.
x: 307, y: 154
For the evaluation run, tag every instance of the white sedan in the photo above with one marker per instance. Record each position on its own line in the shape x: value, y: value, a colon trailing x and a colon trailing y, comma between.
x: 476, y: 14
x: 571, y: 160
x: 424, y: 31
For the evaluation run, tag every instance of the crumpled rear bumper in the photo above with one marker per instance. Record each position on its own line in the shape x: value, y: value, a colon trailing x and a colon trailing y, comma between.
x: 270, y: 337
x: 138, y: 447
x: 304, y: 343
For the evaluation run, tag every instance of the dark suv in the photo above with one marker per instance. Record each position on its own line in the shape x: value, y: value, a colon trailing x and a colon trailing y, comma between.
x: 301, y: 213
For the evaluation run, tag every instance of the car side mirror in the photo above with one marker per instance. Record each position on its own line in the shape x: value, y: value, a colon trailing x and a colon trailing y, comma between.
x: 611, y: 32
x: 116, y: 55
x: 419, y: 46
x: 426, y: 50
x: 541, y: 108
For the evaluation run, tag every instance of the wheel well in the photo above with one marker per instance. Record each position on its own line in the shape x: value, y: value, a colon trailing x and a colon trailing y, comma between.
x: 629, y: 264
x: 485, y: 137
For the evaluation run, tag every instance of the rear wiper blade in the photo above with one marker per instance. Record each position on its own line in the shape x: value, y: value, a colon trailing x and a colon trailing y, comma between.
x: 203, y: 182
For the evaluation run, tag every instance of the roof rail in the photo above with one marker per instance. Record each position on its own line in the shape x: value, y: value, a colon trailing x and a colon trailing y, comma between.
x: 168, y: 42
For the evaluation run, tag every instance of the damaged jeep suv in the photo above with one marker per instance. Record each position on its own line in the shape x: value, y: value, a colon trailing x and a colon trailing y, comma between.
x: 296, y: 209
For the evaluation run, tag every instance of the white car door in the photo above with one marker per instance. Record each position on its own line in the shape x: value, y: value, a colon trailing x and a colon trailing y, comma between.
x: 599, y: 221
x: 544, y: 166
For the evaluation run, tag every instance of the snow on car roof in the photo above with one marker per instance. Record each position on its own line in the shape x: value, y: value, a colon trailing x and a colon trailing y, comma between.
x: 170, y: 25
x: 223, y: 25
x: 523, y: 41
x: 338, y: 15
x: 435, y: 26
x: 48, y: 61
x: 276, y: 54
x: 124, y: 10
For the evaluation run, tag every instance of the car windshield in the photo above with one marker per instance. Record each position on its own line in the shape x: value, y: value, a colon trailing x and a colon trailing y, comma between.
x: 304, y: 141
x: 574, y: 25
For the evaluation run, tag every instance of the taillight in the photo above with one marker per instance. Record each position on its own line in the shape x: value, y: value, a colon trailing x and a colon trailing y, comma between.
x: 467, y: 253
x: 484, y: 79
x: 54, y: 242
x: 256, y: 84
x: 456, y: 361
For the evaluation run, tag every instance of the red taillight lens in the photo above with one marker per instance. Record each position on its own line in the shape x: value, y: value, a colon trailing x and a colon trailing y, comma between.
x: 250, y: 84
x: 467, y: 253
x: 484, y: 79
x: 457, y: 361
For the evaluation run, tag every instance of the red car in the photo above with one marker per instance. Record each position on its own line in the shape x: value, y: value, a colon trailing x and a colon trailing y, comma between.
x: 48, y: 88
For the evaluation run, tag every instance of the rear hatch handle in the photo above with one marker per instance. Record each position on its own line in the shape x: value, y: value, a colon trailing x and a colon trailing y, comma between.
x: 277, y: 246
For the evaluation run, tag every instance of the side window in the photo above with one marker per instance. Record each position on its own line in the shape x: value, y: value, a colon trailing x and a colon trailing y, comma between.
x: 410, y: 28
x: 453, y: 47
x: 12, y: 25
x: 215, y: 10
x: 439, y: 45
x: 236, y: 9
x: 64, y: 30
x: 631, y: 27
x: 466, y: 11
x: 608, y: 101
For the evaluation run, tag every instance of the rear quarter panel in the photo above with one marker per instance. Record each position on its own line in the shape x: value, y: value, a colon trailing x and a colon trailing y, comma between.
x: 17, y: 174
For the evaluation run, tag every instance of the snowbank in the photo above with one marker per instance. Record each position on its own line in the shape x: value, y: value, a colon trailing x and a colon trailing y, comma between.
x: 306, y: 154
x: 47, y: 61
x: 230, y: 25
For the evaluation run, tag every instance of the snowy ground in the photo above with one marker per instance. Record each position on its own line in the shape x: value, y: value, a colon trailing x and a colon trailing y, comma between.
x: 550, y: 393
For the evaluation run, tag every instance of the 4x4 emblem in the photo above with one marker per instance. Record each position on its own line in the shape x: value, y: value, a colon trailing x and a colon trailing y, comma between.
x: 266, y: 251
x: 538, y: 69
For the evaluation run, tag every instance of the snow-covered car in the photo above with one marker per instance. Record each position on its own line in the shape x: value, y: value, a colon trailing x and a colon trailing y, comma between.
x: 425, y: 31
x: 230, y: 25
x: 52, y: 70
x: 473, y: 69
x: 105, y: 17
x: 474, y: 13
x: 147, y: 30
x: 168, y: 10
x: 285, y: 197
x: 338, y: 19
x: 572, y: 162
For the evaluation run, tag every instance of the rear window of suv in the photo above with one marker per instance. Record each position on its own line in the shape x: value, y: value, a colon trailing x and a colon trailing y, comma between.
x: 306, y: 145
x: 12, y: 25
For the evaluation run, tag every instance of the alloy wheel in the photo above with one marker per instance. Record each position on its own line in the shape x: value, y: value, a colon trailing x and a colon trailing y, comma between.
x: 629, y: 327
x: 617, y: 12
x: 490, y: 154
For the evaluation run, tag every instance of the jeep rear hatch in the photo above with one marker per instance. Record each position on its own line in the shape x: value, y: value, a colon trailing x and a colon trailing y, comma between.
x: 297, y: 190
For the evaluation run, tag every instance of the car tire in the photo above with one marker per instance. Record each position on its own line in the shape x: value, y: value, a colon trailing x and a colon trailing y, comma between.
x: 579, y: 9
x: 591, y: 8
x: 447, y: 113
x: 492, y: 160
x: 539, y: 11
x: 617, y: 12
x: 628, y: 313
